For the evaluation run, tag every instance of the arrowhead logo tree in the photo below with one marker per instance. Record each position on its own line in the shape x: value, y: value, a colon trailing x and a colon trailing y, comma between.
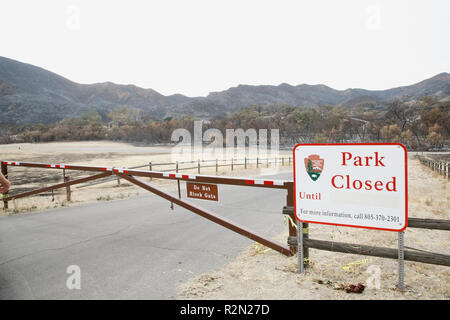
x: 314, y: 166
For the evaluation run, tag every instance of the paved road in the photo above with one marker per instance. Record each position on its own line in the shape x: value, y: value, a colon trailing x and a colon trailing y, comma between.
x: 128, y: 249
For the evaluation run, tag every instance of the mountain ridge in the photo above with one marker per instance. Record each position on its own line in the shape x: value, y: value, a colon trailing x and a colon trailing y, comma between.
x: 31, y: 94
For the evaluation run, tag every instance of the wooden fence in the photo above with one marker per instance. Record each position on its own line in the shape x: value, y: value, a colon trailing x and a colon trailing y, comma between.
x: 411, y: 255
x: 199, y: 164
x: 440, y: 166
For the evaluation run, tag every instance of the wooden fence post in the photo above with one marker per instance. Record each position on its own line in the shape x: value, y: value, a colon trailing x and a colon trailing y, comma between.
x: 68, y: 192
x: 447, y: 164
x: 150, y: 169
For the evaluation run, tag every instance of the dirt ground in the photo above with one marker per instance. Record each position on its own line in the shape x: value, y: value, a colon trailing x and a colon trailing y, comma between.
x: 261, y: 273
x: 105, y: 154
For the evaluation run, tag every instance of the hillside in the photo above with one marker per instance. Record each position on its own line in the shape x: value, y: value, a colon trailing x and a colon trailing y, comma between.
x: 29, y: 94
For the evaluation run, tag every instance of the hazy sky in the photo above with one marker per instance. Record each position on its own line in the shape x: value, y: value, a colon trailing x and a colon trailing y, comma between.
x: 195, y: 47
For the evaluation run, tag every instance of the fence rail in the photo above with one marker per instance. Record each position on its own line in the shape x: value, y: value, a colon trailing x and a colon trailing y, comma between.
x: 391, y: 253
x: 440, y: 166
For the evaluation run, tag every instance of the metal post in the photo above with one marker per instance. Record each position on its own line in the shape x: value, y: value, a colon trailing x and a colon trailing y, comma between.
x: 282, y: 161
x: 257, y: 161
x: 199, y: 166
x: 5, y: 173
x: 245, y: 162
x: 305, y: 232
x: 217, y: 166
x: 401, y: 261
x: 300, y: 246
x: 232, y: 164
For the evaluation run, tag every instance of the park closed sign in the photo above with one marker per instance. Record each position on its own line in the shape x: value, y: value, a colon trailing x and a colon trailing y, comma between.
x: 355, y: 185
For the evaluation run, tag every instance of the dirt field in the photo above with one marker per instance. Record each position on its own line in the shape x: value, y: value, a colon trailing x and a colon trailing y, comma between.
x: 261, y: 273
x: 108, y: 154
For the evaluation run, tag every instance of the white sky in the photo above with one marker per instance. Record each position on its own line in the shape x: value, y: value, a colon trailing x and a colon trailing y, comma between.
x: 194, y: 47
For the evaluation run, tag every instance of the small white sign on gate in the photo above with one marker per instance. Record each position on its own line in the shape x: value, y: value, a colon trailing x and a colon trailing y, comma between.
x: 355, y: 185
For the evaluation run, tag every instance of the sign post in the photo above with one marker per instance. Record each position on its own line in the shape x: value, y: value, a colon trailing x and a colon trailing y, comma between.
x: 362, y: 185
x: 401, y: 261
x: 300, y: 246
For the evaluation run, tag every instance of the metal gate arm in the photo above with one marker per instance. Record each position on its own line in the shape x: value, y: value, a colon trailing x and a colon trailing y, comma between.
x: 209, y: 215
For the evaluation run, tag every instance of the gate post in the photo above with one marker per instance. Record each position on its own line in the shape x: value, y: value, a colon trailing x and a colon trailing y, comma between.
x: 294, y: 228
x: 290, y: 203
x: 5, y: 173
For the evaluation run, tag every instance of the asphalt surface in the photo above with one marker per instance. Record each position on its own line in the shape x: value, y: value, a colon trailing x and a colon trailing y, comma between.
x: 128, y: 249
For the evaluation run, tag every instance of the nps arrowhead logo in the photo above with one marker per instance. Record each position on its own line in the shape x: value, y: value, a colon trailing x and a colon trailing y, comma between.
x: 314, y: 166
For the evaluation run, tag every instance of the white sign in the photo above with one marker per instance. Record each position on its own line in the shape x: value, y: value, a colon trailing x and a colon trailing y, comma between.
x: 355, y: 185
